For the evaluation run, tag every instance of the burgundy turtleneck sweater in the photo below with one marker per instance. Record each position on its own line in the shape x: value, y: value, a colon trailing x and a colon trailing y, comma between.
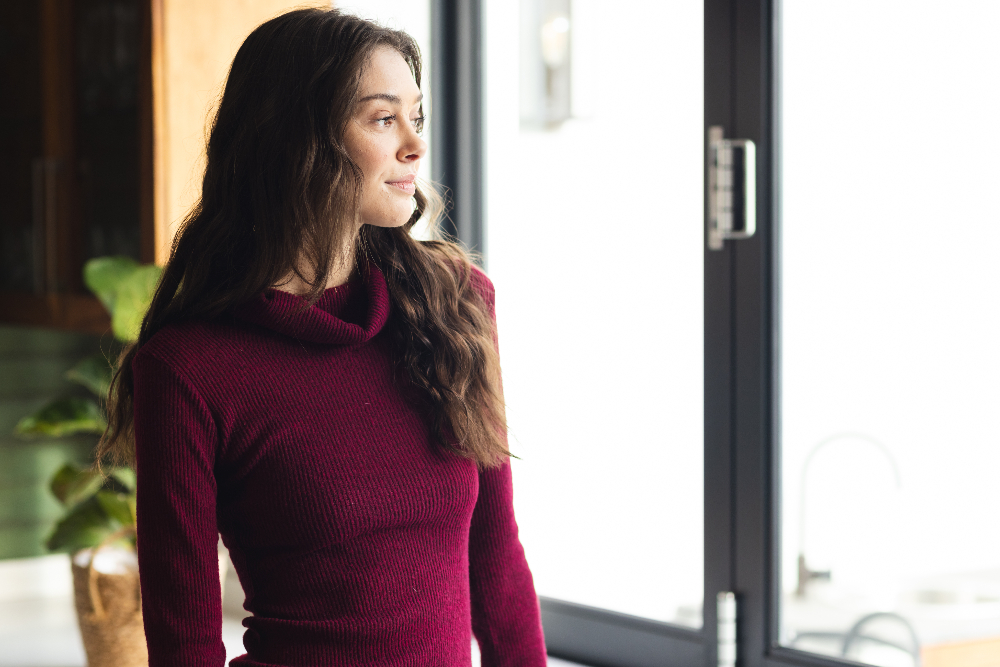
x: 358, y: 541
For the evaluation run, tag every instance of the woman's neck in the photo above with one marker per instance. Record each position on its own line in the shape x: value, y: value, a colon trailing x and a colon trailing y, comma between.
x: 339, y: 275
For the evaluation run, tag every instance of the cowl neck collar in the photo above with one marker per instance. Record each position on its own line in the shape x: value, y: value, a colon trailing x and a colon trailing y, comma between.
x: 347, y: 314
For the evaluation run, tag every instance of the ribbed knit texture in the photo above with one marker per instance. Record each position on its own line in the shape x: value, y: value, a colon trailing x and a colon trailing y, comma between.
x: 358, y: 540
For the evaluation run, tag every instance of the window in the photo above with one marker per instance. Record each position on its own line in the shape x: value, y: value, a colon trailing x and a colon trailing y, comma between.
x: 845, y: 353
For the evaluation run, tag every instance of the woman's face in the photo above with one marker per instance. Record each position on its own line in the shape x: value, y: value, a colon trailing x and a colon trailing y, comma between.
x: 383, y: 138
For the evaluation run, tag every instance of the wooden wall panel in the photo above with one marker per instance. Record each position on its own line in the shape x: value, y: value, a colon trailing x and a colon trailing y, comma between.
x: 194, y: 42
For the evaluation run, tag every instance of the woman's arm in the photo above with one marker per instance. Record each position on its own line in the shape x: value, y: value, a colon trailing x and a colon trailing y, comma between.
x: 505, y: 614
x: 175, y: 442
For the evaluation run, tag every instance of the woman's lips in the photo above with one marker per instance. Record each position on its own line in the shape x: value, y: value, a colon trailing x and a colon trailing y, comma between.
x: 407, y: 184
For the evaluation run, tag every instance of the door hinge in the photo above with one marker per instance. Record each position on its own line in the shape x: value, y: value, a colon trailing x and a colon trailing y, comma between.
x: 725, y: 611
x: 732, y: 188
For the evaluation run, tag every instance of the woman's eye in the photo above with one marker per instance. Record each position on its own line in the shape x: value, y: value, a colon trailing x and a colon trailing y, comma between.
x: 385, y: 122
x: 418, y: 124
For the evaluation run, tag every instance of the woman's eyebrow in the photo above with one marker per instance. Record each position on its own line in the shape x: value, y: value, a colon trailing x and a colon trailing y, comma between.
x: 389, y: 97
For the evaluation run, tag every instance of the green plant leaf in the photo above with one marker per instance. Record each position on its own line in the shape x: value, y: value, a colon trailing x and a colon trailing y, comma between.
x: 126, y: 476
x: 132, y: 299
x: 72, y: 485
x: 85, y: 526
x: 116, y: 506
x: 94, y: 373
x: 104, y: 275
x: 64, y: 416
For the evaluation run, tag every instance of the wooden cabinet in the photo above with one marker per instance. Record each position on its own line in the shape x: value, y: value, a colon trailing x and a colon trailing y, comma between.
x: 75, y: 152
x: 105, y: 109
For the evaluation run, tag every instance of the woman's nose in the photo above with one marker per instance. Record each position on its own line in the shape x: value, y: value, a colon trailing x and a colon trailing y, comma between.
x: 413, y: 148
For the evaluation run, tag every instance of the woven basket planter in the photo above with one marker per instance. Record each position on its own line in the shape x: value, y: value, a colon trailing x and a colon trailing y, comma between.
x: 109, y: 612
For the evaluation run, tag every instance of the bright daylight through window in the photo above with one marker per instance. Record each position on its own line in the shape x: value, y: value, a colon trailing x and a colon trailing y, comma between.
x: 595, y: 247
x: 891, y: 529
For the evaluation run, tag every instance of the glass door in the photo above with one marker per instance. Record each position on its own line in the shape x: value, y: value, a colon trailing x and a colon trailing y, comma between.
x: 865, y: 518
x: 890, y: 449
x: 594, y: 232
x: 846, y: 450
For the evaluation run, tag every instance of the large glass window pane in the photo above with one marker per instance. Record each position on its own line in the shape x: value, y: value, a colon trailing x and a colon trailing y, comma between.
x: 594, y: 161
x: 891, y: 529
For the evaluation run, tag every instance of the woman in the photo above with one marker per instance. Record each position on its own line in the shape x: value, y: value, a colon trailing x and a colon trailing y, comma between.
x: 320, y: 387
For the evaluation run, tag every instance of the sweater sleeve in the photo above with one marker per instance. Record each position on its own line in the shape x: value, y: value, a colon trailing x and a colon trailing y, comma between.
x: 505, y: 614
x: 177, y: 542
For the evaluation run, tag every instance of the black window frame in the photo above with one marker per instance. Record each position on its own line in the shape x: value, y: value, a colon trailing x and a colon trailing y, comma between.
x: 457, y: 63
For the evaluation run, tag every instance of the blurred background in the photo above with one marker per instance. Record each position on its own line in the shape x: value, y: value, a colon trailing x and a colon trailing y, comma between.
x: 589, y: 140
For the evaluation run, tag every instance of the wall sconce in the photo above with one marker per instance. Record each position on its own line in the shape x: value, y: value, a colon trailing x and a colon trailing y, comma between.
x: 545, y: 63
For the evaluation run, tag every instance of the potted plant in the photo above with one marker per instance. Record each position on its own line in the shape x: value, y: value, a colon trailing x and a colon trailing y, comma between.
x: 125, y: 288
x: 98, y: 528
x: 99, y: 531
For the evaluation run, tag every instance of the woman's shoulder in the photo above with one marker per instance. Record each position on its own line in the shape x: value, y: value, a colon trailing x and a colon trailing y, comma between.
x: 192, y: 344
x: 482, y: 284
x: 455, y: 259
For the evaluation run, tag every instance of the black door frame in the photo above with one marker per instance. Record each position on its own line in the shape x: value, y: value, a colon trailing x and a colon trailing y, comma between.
x: 742, y: 352
x: 754, y: 112
x: 756, y: 511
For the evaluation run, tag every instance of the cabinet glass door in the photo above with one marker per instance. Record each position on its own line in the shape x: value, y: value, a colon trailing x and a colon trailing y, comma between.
x: 889, y: 326
x: 21, y: 149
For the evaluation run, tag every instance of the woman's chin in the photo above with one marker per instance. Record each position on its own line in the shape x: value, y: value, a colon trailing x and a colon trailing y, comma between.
x: 388, y: 221
x: 387, y: 225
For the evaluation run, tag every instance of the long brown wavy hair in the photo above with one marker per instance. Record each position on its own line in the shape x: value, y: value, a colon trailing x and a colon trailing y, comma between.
x: 280, y: 194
